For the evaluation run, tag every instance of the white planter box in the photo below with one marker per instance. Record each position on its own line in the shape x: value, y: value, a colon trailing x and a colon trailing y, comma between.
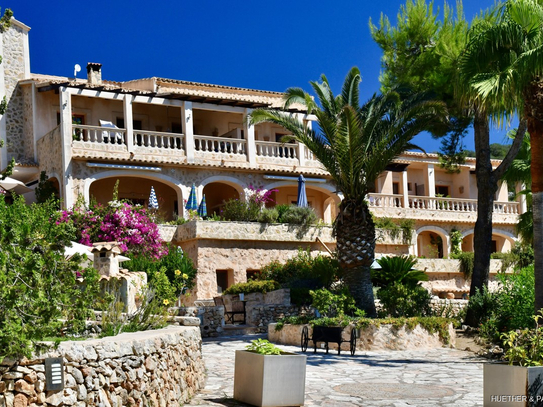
x: 506, y: 385
x: 269, y: 380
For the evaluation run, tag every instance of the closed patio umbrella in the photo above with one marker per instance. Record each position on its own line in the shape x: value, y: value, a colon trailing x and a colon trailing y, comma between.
x: 302, y: 197
x: 202, y: 209
x: 153, y: 203
x: 13, y: 185
x: 192, y: 204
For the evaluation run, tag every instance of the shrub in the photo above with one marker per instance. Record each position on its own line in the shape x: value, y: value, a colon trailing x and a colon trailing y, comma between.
x: 296, y: 215
x: 399, y: 300
x: 253, y: 286
x: 268, y: 215
x: 520, y: 256
x: 263, y: 347
x: 176, y: 266
x: 238, y: 211
x: 131, y: 226
x: 42, y: 294
x: 466, y: 262
x: 524, y: 347
x: 303, y: 270
x: 397, y: 269
x: 404, y: 227
x: 508, y: 309
x: 331, y: 305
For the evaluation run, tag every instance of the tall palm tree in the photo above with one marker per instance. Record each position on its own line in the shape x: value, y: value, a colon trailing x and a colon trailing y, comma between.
x: 505, y: 63
x: 355, y: 144
x: 520, y: 172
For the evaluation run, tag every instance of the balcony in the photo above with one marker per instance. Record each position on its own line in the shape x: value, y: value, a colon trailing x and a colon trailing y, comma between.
x: 96, y: 142
x: 444, y: 209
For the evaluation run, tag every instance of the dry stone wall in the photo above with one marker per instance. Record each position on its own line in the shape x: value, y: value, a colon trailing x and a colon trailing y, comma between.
x: 152, y: 368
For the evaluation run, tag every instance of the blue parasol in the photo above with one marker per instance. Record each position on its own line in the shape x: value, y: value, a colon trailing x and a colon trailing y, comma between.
x: 192, y: 204
x: 202, y: 209
x: 302, y: 197
x: 153, y: 203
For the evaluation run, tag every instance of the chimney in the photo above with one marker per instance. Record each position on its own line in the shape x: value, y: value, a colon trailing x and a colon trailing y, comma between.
x: 94, y: 73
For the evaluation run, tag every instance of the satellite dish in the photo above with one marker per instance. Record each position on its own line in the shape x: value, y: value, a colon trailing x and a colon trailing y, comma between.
x: 77, y: 68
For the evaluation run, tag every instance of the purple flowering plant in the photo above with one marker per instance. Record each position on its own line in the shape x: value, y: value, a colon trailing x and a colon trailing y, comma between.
x: 130, y: 225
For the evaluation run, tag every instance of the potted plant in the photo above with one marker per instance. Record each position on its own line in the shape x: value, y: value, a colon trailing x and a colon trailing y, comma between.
x: 520, y: 382
x: 265, y: 376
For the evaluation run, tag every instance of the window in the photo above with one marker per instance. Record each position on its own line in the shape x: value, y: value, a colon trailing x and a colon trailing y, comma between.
x: 222, y: 280
x: 395, y: 188
x: 176, y: 127
x: 136, y: 124
x: 442, y: 190
x: 409, y: 186
x: 251, y: 274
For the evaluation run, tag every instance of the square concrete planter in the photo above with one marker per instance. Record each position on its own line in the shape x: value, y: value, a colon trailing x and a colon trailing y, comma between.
x: 269, y: 380
x: 506, y: 385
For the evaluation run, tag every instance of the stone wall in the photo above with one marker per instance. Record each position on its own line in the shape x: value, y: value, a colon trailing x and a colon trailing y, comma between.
x: 13, y: 61
x: 152, y: 368
x: 448, y: 307
x: 211, y: 319
x: 261, y: 316
x: 373, y: 338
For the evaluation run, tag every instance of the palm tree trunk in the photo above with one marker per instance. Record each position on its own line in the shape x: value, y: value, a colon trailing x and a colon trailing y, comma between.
x: 533, y: 110
x: 486, y: 189
x: 355, y: 236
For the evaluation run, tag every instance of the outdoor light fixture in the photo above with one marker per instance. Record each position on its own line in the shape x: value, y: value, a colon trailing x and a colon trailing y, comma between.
x: 54, y: 374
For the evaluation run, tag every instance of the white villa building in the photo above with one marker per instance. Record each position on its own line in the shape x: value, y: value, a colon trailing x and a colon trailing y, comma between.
x: 171, y: 134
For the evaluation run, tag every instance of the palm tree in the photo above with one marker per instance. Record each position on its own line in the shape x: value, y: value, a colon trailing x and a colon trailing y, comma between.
x: 520, y: 172
x: 504, y: 63
x: 355, y: 144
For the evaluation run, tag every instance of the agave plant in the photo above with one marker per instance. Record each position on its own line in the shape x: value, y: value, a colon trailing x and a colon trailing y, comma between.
x: 397, y: 269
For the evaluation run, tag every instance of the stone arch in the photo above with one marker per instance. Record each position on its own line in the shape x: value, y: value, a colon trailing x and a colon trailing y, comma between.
x: 162, y: 179
x: 446, y: 240
x: 509, y: 237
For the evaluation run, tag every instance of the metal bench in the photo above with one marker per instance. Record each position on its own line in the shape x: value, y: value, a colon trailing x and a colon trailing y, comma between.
x: 237, y: 308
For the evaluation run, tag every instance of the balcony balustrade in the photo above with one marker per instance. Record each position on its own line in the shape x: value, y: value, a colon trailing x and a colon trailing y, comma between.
x: 222, y: 145
x: 438, y: 203
x: 145, y: 138
x: 277, y: 150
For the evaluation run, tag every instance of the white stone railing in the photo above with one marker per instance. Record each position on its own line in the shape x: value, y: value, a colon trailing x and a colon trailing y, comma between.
x: 146, y: 138
x: 443, y: 204
x: 507, y: 207
x: 219, y: 145
x: 438, y: 203
x: 98, y: 134
x: 385, y: 200
x: 277, y: 150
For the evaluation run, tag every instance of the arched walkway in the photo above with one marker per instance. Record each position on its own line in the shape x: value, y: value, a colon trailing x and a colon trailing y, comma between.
x: 137, y: 191
x: 433, y: 242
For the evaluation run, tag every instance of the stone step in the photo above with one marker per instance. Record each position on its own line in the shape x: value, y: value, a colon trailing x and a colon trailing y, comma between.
x: 234, y: 330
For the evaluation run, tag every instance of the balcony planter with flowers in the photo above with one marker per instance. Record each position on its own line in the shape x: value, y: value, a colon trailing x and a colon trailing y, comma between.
x: 265, y: 376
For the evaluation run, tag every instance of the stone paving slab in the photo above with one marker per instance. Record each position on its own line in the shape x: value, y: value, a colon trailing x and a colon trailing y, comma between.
x: 434, y: 377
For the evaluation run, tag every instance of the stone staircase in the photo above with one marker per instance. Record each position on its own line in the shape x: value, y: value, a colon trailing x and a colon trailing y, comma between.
x: 235, y: 330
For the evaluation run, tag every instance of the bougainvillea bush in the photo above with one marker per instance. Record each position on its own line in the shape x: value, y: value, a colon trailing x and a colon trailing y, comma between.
x: 130, y: 225
x: 42, y: 294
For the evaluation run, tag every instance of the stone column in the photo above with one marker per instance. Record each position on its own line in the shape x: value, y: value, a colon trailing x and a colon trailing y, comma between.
x: 522, y: 198
x: 405, y: 200
x: 188, y: 124
x: 249, y: 131
x: 66, y: 140
x: 129, y: 122
x: 431, y: 177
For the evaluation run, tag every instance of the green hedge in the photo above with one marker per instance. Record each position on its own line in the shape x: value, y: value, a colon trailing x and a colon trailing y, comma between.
x: 253, y: 286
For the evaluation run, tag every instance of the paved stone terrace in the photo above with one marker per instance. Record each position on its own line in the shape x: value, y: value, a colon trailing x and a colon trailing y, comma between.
x: 437, y: 377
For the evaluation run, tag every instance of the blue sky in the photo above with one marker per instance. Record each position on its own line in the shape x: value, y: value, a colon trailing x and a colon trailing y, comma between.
x: 263, y: 45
